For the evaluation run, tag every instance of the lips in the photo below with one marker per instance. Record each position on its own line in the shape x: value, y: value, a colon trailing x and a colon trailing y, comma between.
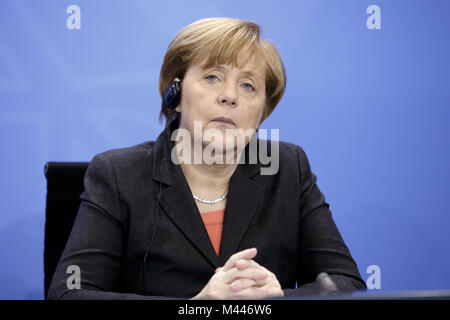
x: 224, y: 120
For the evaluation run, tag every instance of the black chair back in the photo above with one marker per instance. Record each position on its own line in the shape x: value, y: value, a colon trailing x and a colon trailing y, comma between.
x: 64, y: 187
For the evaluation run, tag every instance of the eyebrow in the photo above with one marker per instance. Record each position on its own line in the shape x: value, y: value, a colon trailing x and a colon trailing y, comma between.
x: 248, y: 73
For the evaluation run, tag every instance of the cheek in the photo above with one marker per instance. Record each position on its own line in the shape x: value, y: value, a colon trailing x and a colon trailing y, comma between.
x: 251, y: 116
x: 195, y: 100
x: 195, y: 104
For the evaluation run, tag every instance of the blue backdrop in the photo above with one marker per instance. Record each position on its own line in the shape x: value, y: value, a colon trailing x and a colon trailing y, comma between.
x: 369, y: 106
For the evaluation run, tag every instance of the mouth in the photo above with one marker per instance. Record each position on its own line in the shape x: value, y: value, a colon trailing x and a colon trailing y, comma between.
x: 224, y: 121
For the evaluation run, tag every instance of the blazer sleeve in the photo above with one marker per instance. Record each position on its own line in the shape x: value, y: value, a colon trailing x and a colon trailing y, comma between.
x: 96, y: 242
x: 322, y: 248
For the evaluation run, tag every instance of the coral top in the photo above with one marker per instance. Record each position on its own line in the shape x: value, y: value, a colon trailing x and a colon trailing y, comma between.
x: 213, y: 221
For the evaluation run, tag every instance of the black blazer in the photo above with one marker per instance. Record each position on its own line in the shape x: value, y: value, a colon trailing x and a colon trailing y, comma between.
x: 139, y: 235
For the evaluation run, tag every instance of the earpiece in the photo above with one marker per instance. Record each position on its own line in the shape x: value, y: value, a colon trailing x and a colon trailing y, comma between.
x: 172, y: 95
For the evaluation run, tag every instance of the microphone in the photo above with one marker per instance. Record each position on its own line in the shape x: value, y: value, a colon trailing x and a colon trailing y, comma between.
x: 326, y: 284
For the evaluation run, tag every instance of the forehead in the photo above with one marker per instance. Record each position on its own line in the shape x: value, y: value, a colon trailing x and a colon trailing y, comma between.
x: 252, y: 66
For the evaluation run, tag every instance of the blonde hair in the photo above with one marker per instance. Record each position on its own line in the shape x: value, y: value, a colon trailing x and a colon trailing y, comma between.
x: 220, y: 41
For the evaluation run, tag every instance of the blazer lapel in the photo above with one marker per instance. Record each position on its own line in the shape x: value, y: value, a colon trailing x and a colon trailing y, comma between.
x: 176, y: 199
x: 181, y: 209
x: 244, y: 200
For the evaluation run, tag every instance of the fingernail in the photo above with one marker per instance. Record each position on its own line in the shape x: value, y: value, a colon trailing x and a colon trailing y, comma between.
x: 263, y: 275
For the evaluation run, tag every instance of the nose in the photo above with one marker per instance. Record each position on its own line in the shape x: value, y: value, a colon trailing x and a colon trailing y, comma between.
x: 228, y: 94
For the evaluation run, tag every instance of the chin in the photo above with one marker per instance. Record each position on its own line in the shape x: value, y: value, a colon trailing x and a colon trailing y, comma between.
x: 219, y: 148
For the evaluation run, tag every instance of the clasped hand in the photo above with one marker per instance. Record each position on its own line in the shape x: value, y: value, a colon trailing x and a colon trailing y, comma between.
x: 241, y: 278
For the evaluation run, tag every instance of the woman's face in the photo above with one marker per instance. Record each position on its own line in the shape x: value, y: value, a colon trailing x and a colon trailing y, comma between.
x: 223, y: 97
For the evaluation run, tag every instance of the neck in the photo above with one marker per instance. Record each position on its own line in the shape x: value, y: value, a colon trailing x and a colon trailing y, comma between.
x: 205, y: 179
x: 208, y: 181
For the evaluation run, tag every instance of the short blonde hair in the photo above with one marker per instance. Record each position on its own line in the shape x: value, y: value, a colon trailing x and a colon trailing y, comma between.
x: 220, y: 41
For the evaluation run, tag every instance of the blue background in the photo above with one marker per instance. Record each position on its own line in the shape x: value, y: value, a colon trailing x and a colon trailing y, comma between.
x: 370, y: 108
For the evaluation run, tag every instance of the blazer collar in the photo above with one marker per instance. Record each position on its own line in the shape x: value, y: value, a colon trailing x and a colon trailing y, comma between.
x: 243, y: 201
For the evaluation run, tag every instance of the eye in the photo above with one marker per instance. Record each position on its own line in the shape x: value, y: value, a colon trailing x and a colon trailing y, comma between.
x: 211, y: 77
x: 248, y: 87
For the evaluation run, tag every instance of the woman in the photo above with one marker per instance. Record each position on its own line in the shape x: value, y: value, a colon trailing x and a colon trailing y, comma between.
x: 191, y: 215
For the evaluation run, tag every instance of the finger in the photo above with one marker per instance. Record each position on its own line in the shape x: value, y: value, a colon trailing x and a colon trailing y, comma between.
x: 242, y: 264
x: 247, y: 254
x: 218, y: 269
x: 250, y: 293
x: 254, y: 264
x: 271, y: 283
x: 247, y: 273
x: 242, y: 283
